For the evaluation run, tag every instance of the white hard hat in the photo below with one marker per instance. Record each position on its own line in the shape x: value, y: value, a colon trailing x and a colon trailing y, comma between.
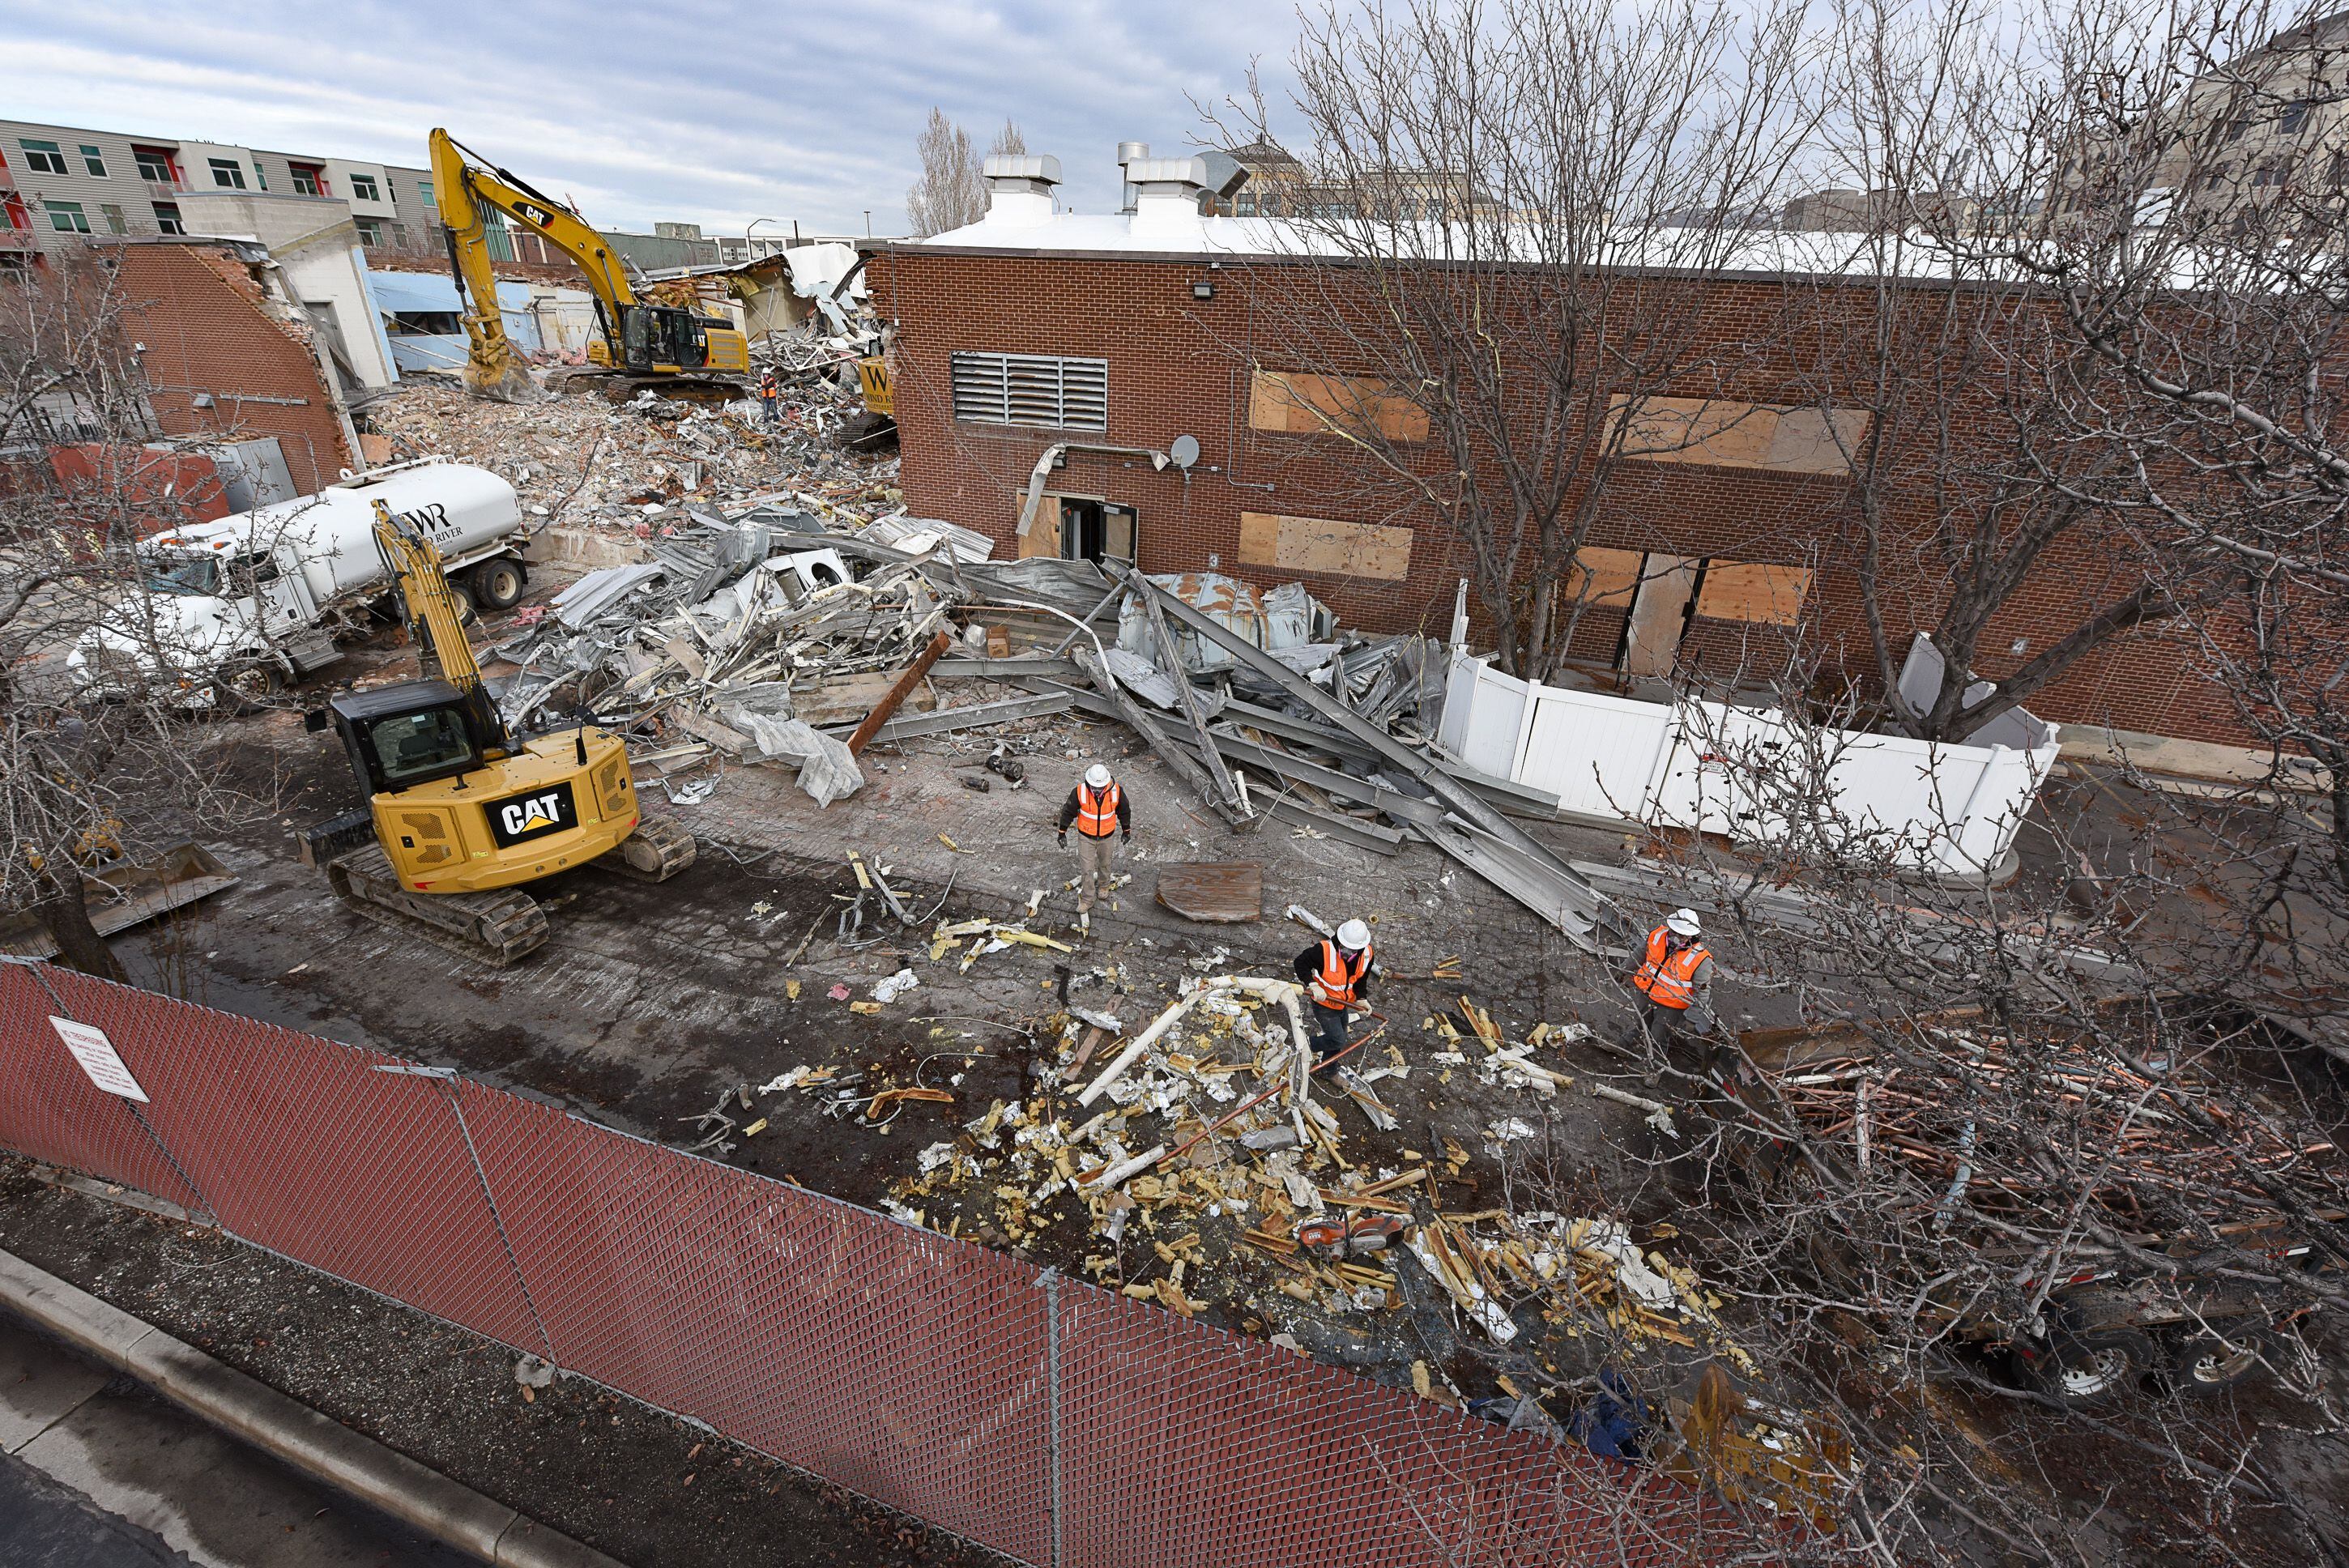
x: 1353, y: 937
x: 1682, y: 922
x: 1097, y: 776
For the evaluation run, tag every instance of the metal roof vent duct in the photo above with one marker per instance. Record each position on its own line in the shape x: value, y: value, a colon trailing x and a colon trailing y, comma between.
x: 1019, y: 189
x: 1166, y: 199
x: 1130, y: 152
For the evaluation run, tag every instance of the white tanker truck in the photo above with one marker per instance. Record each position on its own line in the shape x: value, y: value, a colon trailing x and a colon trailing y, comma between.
x: 234, y: 608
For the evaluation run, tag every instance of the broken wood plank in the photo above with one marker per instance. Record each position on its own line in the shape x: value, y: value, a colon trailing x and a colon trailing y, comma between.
x: 1214, y: 892
x: 912, y: 677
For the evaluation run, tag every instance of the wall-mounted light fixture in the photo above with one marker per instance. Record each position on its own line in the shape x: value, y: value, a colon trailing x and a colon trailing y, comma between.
x: 1203, y: 289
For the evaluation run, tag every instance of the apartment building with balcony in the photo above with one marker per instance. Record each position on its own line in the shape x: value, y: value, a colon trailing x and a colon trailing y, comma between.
x: 60, y: 185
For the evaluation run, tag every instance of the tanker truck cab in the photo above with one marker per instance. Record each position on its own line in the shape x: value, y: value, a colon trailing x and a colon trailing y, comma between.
x: 237, y: 603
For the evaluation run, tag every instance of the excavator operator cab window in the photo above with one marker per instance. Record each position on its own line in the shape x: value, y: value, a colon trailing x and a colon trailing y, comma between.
x: 636, y: 328
x: 416, y: 747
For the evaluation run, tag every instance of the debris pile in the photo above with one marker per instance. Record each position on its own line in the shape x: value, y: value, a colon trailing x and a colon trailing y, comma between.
x: 1211, y: 1166
x: 743, y: 636
x: 778, y: 589
x: 1946, y: 1116
x: 632, y: 469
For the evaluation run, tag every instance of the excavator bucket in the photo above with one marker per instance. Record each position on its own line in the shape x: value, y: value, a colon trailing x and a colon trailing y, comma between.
x: 126, y: 894
x: 499, y: 376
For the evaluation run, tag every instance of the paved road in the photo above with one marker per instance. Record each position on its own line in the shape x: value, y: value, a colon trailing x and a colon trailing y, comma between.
x: 97, y: 1473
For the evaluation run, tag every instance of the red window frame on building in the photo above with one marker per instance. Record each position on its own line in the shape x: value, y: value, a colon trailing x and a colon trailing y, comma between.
x: 314, y: 172
x: 140, y: 155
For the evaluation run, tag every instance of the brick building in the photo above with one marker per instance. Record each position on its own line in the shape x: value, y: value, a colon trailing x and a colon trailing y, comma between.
x: 1094, y: 342
x: 228, y: 354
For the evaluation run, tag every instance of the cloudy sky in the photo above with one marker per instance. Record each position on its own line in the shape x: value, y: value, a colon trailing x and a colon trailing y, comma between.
x: 689, y: 110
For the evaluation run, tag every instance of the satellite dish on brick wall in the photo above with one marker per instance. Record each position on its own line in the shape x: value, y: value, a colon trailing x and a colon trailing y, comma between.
x: 1184, y: 450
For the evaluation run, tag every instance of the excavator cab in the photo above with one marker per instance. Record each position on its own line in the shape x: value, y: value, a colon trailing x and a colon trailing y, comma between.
x: 662, y: 337
x: 414, y: 733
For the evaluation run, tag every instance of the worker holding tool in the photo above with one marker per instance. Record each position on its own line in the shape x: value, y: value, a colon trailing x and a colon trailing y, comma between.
x: 1674, y: 981
x: 1098, y: 808
x: 1335, y: 975
x: 770, y: 398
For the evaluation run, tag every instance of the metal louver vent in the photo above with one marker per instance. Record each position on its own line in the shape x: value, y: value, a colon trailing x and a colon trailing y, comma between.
x: 1032, y: 389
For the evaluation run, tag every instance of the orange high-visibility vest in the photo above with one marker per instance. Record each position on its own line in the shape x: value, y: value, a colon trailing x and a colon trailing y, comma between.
x: 1670, y: 978
x: 1097, y: 814
x: 1338, y: 981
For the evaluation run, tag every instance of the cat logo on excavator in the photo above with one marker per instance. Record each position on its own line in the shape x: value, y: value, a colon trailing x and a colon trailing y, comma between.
x: 530, y: 816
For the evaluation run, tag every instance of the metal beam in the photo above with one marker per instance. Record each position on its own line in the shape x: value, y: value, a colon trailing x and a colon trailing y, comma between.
x: 972, y: 715
x: 1185, y: 768
x: 1582, y: 910
x: 1222, y: 775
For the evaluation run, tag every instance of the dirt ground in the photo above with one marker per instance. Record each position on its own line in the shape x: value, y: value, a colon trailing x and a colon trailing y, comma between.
x: 650, y: 1004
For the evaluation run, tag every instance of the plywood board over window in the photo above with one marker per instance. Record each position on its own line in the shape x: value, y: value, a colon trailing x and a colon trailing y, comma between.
x: 1603, y: 577
x: 1740, y: 591
x: 1319, y: 544
x: 1715, y: 432
x: 1300, y: 404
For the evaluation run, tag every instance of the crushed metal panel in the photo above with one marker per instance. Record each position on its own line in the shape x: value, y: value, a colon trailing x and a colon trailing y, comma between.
x: 1229, y: 893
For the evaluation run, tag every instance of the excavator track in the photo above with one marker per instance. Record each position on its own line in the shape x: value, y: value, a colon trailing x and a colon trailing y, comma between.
x: 655, y: 852
x: 497, y: 928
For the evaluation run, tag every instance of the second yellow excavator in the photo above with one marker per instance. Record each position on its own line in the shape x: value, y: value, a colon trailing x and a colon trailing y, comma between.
x: 459, y: 812
x: 644, y: 343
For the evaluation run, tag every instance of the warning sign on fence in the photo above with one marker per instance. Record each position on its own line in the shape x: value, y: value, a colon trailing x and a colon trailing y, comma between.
x: 98, y: 1057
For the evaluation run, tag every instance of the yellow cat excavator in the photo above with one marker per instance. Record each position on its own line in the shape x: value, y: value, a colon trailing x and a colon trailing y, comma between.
x: 461, y: 812
x: 643, y: 343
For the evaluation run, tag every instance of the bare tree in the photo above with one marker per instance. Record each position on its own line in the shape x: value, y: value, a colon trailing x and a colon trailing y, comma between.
x: 82, y: 781
x: 1511, y: 200
x: 951, y: 193
x: 1010, y: 142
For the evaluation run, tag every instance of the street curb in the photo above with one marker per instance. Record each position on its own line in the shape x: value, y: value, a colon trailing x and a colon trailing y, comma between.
x: 311, y: 1442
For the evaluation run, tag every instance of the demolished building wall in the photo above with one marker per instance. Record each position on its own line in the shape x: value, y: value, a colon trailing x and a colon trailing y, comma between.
x: 228, y: 354
x: 1262, y: 503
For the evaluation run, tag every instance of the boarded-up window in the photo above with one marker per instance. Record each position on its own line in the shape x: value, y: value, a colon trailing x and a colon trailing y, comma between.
x: 1317, y: 544
x: 1304, y: 405
x: 1607, y: 577
x: 1737, y: 591
x: 1714, y: 432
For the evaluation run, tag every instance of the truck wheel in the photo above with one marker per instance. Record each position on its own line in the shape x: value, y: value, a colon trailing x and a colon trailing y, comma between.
x: 246, y: 689
x: 498, y: 584
x: 462, y: 594
x: 2089, y: 1366
x: 2210, y: 1361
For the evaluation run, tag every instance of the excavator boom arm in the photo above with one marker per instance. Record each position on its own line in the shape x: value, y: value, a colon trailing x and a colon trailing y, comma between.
x: 467, y: 192
x: 433, y: 617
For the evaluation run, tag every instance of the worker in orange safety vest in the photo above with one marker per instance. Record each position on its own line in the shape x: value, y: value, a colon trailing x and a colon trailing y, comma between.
x: 1675, y: 975
x: 1335, y: 975
x: 1097, y: 808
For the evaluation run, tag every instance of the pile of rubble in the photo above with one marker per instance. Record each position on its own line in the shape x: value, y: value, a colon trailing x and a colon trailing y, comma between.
x: 1211, y: 1123
x: 747, y: 628
x: 635, y: 469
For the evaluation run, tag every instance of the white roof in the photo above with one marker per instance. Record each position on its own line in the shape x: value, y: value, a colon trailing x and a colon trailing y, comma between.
x: 1767, y: 250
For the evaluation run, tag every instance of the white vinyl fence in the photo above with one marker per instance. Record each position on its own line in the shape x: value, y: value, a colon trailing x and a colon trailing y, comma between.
x: 1950, y: 809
